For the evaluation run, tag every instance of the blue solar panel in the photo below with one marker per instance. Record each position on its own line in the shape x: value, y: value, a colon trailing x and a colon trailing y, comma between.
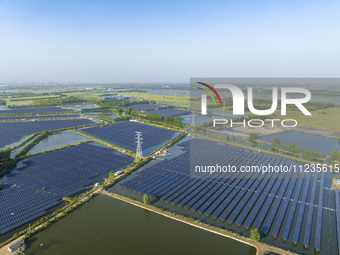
x: 12, y: 132
x: 301, y: 211
x: 308, y: 229
x: 40, y: 110
x: 337, y: 204
x: 143, y: 107
x: 292, y: 210
x: 319, y: 217
x: 284, y: 209
x: 124, y: 135
x: 267, y: 204
x: 170, y: 112
x: 41, y: 117
x: 236, y: 197
x: 43, y: 180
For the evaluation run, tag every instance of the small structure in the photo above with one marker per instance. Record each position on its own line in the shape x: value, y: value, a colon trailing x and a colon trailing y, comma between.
x: 97, y: 184
x: 16, y: 246
x: 337, y: 181
x: 118, y: 173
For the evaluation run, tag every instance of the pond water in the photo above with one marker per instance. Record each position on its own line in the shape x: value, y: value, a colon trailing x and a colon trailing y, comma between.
x: 80, y: 107
x: 53, y: 141
x: 316, y: 131
x: 109, y: 226
x: 114, y: 96
x: 57, y: 140
x: 225, y: 114
x: 169, y: 92
x: 306, y: 141
x: 176, y: 105
x: 199, y: 119
x: 113, y: 116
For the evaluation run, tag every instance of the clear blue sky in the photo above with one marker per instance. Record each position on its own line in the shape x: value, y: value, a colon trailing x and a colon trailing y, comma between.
x: 170, y: 41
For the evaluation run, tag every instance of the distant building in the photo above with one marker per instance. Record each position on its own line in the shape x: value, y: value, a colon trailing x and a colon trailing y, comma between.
x: 16, y: 245
x: 97, y: 184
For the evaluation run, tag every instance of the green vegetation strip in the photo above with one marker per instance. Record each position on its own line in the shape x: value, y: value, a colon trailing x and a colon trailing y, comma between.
x: 255, y: 149
x: 107, y: 144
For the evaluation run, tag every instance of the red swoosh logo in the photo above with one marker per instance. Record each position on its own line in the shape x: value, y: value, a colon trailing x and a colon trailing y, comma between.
x: 212, y: 89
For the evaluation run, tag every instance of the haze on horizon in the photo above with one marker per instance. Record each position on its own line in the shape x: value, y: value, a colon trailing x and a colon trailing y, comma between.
x: 156, y: 41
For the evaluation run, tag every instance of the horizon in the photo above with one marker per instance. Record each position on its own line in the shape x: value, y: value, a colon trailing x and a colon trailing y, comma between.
x: 152, y: 42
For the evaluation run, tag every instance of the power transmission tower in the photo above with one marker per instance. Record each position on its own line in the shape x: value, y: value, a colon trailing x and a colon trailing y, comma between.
x: 139, y: 139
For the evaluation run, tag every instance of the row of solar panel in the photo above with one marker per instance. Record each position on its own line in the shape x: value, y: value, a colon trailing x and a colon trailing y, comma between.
x: 42, y: 117
x: 124, y: 134
x: 12, y: 132
x: 234, y: 197
x: 39, y: 183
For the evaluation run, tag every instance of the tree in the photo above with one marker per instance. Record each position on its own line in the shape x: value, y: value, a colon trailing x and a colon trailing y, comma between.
x: 275, y: 143
x: 146, y: 199
x: 253, y: 136
x: 252, y: 143
x: 262, y: 147
x: 335, y: 155
x: 255, y: 235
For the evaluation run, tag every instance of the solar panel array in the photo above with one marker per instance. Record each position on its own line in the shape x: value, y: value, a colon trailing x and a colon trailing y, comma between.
x: 45, y: 179
x: 143, y: 107
x: 42, y: 117
x: 124, y: 134
x: 277, y: 204
x: 12, y: 132
x: 41, y: 110
x: 337, y: 204
x: 170, y: 112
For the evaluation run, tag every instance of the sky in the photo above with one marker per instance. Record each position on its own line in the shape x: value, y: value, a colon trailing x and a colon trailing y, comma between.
x: 167, y: 41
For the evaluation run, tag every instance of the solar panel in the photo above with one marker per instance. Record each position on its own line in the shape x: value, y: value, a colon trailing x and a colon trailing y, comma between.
x: 170, y: 112
x: 319, y: 217
x: 292, y: 210
x: 12, y: 132
x: 43, y: 180
x: 284, y: 209
x: 337, y: 204
x: 143, y: 107
x: 301, y: 211
x: 124, y: 135
x: 39, y: 110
